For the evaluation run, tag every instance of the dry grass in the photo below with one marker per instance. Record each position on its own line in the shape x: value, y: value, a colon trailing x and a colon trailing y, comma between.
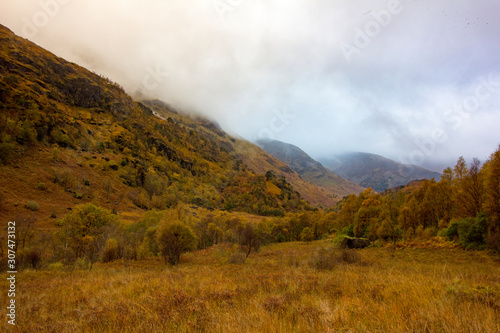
x: 276, y: 290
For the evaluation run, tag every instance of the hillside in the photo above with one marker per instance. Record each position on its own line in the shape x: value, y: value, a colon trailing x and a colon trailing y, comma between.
x: 249, y: 154
x: 375, y: 171
x: 310, y: 170
x: 69, y: 136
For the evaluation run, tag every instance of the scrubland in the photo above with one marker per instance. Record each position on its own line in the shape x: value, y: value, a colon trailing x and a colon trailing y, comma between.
x: 279, y: 289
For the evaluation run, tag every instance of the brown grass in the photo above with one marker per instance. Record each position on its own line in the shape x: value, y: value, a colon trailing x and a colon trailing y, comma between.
x: 276, y: 290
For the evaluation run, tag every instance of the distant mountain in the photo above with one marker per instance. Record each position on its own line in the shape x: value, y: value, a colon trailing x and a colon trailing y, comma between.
x: 69, y: 136
x: 375, y: 171
x: 309, y: 169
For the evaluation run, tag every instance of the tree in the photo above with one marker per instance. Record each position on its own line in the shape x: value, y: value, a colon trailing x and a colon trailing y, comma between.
x: 368, y: 212
x: 469, y: 188
x: 492, y: 200
x: 349, y: 206
x: 173, y: 239
x: 83, y: 231
x: 249, y: 239
x: 307, y: 235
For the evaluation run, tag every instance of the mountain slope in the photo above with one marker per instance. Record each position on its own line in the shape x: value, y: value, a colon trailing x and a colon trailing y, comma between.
x: 309, y: 169
x: 375, y: 171
x: 69, y: 136
x: 248, y: 154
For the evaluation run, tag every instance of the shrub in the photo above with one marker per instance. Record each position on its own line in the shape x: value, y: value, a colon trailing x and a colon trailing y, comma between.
x: 328, y: 258
x: 174, y: 239
x: 32, y: 205
x: 323, y: 259
x: 280, y: 238
x: 33, y: 257
x: 56, y: 266
x: 471, y: 233
x: 237, y: 258
x: 41, y: 187
x: 307, y: 235
x: 144, y: 250
x: 111, y: 250
x: 7, y: 149
x: 81, y: 263
x: 349, y: 257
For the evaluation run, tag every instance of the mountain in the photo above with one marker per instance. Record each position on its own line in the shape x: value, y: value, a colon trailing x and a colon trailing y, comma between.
x: 248, y: 154
x: 375, y: 171
x: 309, y: 169
x: 70, y: 136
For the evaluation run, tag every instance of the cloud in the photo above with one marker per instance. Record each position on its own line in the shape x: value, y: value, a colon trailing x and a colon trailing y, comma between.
x: 246, y: 62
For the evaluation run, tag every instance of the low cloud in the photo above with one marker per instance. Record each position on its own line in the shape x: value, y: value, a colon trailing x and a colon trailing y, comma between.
x: 375, y: 76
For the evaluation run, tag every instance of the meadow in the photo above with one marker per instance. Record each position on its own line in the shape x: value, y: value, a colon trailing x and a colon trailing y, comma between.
x: 285, y: 287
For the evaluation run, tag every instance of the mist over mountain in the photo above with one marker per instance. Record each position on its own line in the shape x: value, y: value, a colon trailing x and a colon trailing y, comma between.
x: 375, y: 171
x: 309, y: 169
x: 80, y: 138
x: 303, y: 72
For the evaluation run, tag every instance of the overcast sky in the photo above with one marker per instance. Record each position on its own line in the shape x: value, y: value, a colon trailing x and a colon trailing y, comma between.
x: 416, y: 81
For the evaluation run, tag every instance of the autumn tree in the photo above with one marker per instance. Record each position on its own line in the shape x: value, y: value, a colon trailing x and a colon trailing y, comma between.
x: 368, y: 212
x: 83, y: 231
x: 307, y: 235
x: 492, y: 199
x: 349, y: 206
x: 175, y: 238
x: 469, y: 188
x: 249, y: 239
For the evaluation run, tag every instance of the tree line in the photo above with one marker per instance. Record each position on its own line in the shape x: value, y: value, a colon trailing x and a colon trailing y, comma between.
x: 463, y: 206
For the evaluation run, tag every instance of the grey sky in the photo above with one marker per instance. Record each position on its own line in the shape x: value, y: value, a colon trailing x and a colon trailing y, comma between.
x: 329, y: 76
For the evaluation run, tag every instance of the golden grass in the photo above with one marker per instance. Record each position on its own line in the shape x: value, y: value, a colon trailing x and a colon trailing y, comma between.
x: 276, y: 290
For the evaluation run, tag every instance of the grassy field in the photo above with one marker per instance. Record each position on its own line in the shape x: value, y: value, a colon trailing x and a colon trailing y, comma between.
x: 275, y: 290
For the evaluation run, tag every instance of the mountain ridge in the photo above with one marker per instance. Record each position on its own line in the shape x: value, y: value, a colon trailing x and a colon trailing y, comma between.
x: 375, y: 171
x: 309, y: 169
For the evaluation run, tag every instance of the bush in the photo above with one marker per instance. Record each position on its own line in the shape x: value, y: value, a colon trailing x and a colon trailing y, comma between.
x: 323, y: 259
x: 307, y: 235
x: 82, y: 263
x: 33, y: 257
x: 471, y: 233
x: 7, y: 149
x: 174, y: 239
x: 328, y: 258
x: 56, y: 266
x: 280, y: 238
x: 349, y: 257
x: 32, y: 205
x: 237, y: 258
x: 111, y: 250
x: 41, y: 187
